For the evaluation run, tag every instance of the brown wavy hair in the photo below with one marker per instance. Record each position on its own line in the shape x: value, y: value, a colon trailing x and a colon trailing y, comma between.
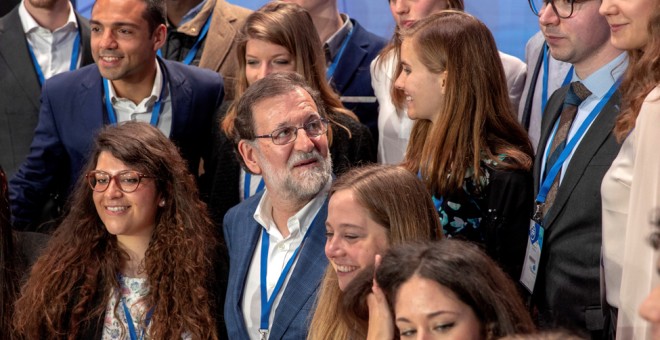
x: 642, y: 75
x: 393, y: 48
x: 475, y: 120
x: 290, y: 26
x: 8, y: 275
x: 393, y: 198
x: 70, y: 285
x: 469, y: 273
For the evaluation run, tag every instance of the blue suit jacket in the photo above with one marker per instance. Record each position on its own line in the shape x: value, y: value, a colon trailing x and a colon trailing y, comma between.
x: 296, y: 306
x: 72, y: 112
x: 352, y: 78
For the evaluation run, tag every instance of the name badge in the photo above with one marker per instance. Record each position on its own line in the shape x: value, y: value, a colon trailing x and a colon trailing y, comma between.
x: 532, y: 256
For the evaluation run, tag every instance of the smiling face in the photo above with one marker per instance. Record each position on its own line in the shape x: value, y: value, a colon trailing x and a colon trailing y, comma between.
x: 426, y: 310
x: 579, y: 39
x: 408, y: 12
x: 126, y: 214
x: 353, y: 238
x: 263, y: 58
x: 629, y: 20
x: 123, y: 46
x: 424, y: 90
x: 300, y: 169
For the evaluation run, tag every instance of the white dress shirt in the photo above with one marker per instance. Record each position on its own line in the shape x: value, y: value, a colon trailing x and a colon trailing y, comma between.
x: 280, y: 250
x: 52, y: 49
x: 126, y: 110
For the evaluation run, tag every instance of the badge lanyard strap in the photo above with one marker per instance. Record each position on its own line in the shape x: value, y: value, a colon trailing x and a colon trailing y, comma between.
x: 155, y: 111
x: 331, y: 69
x: 267, y: 303
x: 129, y: 319
x: 72, y: 64
x: 193, y: 50
x: 246, y: 185
x: 550, y: 177
x: 546, y: 69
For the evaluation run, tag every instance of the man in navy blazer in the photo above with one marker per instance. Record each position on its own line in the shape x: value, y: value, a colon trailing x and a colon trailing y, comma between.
x: 276, y: 238
x: 127, y: 82
x: 349, y: 50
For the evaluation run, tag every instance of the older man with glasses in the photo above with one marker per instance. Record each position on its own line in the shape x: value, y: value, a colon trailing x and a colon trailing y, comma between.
x: 575, y: 149
x: 276, y: 237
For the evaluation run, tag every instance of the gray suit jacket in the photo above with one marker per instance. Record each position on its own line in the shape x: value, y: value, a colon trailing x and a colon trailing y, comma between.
x: 20, y: 90
x: 567, y: 290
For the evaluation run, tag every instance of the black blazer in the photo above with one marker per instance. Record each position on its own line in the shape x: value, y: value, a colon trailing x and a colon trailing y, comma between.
x: 20, y: 89
x: 567, y: 291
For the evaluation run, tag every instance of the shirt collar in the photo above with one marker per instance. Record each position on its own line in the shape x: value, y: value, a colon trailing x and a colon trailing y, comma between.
x: 602, y: 80
x: 298, y: 222
x: 333, y: 44
x: 192, y: 12
x: 29, y: 24
x: 155, y: 90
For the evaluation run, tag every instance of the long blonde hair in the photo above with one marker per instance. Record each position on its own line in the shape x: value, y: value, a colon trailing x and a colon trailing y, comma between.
x: 642, y: 75
x: 393, y: 198
x: 475, y: 120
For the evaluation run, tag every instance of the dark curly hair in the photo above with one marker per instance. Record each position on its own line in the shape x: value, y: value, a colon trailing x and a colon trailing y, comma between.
x: 70, y: 285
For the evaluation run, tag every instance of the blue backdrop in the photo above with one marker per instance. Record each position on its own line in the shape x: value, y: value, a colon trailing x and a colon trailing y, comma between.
x: 511, y: 21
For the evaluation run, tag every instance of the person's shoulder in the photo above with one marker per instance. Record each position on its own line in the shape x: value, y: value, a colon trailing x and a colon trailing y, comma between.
x: 63, y: 81
x: 198, y: 76
x: 368, y: 35
x: 232, y: 11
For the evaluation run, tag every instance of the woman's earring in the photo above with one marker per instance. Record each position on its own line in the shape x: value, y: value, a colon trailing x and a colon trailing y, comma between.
x: 161, y: 203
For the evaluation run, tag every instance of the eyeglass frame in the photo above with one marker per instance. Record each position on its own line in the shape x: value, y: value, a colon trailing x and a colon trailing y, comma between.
x: 554, y: 8
x: 295, y: 135
x: 114, y: 177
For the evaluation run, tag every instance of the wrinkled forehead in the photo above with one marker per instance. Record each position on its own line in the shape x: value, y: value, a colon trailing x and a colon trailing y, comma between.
x: 293, y: 108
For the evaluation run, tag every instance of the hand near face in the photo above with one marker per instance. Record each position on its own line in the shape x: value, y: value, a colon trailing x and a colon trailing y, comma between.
x: 380, y: 317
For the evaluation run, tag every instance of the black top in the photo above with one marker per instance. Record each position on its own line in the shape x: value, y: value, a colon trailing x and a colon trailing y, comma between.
x: 497, y: 217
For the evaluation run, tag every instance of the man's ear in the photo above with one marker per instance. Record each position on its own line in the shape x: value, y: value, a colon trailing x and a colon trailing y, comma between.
x: 248, y: 151
x: 159, y: 36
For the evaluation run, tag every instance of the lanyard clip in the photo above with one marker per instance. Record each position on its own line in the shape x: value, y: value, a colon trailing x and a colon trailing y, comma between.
x: 264, y: 334
x: 538, y: 213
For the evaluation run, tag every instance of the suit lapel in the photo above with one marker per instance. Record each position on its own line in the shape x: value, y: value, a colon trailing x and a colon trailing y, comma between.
x: 221, y: 42
x: 306, y: 276
x: 249, y: 238
x: 14, y: 49
x: 355, y: 52
x: 588, y: 147
x: 90, y: 98
x: 181, y: 95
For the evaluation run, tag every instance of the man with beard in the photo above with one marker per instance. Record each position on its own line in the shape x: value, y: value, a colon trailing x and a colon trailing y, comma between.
x: 276, y: 237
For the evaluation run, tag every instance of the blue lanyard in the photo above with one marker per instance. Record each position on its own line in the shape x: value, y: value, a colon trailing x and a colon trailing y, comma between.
x: 72, y: 64
x: 246, y: 186
x: 193, y: 50
x: 155, y: 111
x: 550, y: 177
x: 331, y: 69
x: 546, y: 69
x: 267, y: 303
x: 129, y: 321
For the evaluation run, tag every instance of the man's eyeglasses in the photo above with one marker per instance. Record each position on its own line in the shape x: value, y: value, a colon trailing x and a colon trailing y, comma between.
x: 127, y: 180
x: 563, y: 8
x: 288, y: 134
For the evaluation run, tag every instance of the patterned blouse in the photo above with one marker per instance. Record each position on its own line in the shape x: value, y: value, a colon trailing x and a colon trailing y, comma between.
x: 494, y: 213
